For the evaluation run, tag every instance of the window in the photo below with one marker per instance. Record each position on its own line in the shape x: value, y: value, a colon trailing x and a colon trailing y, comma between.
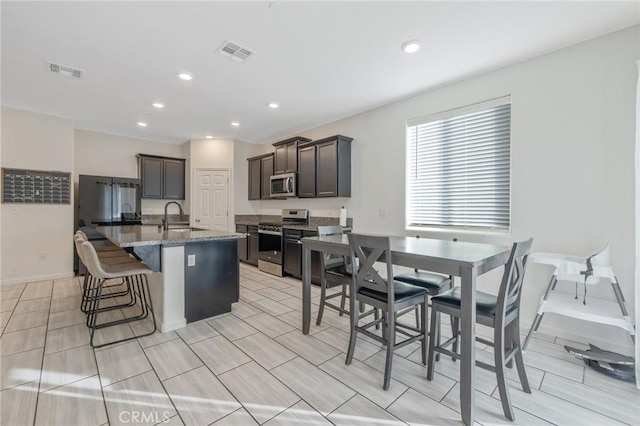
x: 458, y: 167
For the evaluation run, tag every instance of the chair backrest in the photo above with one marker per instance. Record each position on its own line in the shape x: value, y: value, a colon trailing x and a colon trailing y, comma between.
x: 323, y: 231
x: 366, y: 250
x: 82, y: 235
x: 91, y: 260
x: 513, y: 277
x: 77, y: 240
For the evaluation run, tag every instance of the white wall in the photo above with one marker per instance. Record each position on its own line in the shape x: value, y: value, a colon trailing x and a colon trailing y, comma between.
x: 36, y: 239
x: 102, y: 154
x: 572, y: 162
x: 214, y: 154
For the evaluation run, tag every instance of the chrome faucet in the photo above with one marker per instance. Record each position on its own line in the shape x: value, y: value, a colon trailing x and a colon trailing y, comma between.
x: 165, y: 221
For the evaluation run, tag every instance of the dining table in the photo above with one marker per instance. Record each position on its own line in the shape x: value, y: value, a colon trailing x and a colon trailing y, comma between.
x: 465, y: 260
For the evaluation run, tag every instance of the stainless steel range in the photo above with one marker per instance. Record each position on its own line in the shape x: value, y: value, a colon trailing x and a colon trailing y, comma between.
x: 270, y: 240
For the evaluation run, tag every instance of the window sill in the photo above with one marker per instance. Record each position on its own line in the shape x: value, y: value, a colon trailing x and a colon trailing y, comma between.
x: 460, y: 231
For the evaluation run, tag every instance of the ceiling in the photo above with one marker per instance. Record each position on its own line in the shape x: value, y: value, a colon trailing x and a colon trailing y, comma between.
x: 321, y: 61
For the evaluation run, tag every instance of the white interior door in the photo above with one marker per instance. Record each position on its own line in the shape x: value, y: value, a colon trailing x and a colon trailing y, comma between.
x: 211, y: 199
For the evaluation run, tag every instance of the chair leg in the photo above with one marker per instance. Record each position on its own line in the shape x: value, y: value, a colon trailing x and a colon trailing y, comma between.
x: 354, y: 316
x: 343, y: 298
x: 376, y: 316
x: 434, y: 336
x: 424, y: 319
x: 501, y: 376
x: 524, y: 381
x: 416, y: 313
x: 455, y: 332
x: 391, y: 340
x: 323, y: 294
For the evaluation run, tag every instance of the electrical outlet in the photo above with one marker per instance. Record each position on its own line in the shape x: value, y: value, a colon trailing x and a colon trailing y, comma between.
x: 382, y: 212
x: 191, y: 260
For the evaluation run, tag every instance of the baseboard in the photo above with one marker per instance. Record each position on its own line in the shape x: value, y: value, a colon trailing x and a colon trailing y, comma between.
x: 174, y: 325
x: 36, y: 278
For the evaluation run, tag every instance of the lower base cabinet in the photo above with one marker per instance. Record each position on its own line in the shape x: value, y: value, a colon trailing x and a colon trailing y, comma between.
x: 293, y: 255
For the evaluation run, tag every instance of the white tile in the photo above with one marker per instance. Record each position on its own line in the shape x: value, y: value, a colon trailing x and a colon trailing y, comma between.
x: 585, y: 396
x: 120, y: 362
x: 172, y: 358
x: 62, y: 368
x: 66, y: 304
x: 23, y: 340
x: 413, y: 375
x: 294, y: 318
x: 238, y: 418
x: 32, y: 305
x: 364, y: 380
x: 248, y: 295
x: 308, y: 347
x: 197, y: 331
x: 554, y: 365
x: 29, y: 320
x: 269, y: 325
x: 65, y: 288
x: 619, y: 388
x: 37, y: 290
x: 299, y: 414
x: 359, y: 411
x: 252, y: 285
x: 415, y: 408
x: 156, y: 338
x: 66, y: 318
x: 323, y: 392
x: 20, y: 368
x: 243, y: 310
x: 489, y: 410
x: 18, y: 404
x: 273, y: 294
x: 272, y: 307
x: 142, y: 394
x: 78, y: 400
x: 231, y: 327
x: 219, y: 354
x: 339, y: 339
x: 260, y: 393
x: 199, y: 397
x: 265, y: 351
x: 7, y: 305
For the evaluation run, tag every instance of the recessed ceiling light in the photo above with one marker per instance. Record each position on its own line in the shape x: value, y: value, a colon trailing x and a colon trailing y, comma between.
x: 185, y: 76
x: 273, y: 105
x: 235, y: 123
x: 411, y: 46
x: 158, y: 105
x: 142, y: 124
x: 209, y: 137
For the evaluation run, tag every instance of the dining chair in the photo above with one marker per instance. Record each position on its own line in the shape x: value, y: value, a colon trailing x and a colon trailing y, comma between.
x: 383, y: 293
x: 335, y: 271
x: 501, y: 312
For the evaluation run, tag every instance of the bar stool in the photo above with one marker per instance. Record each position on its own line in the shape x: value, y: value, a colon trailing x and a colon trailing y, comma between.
x: 135, y: 274
x: 109, y: 257
x: 334, y: 271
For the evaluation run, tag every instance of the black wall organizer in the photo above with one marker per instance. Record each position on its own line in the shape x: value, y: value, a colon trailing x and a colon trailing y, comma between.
x: 22, y: 186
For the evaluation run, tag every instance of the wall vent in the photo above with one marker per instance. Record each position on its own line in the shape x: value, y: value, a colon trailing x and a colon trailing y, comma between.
x: 234, y: 51
x: 64, y: 70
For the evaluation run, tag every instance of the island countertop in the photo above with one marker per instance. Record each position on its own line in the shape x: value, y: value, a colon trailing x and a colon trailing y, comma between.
x: 146, y: 235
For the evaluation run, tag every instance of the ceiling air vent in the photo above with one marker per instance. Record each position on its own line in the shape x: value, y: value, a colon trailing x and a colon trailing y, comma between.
x: 234, y: 51
x: 64, y: 70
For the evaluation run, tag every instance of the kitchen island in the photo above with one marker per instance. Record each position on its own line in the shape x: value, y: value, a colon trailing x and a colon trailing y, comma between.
x: 196, y: 271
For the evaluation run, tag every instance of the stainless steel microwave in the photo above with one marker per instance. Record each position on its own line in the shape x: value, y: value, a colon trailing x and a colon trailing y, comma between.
x: 283, y: 185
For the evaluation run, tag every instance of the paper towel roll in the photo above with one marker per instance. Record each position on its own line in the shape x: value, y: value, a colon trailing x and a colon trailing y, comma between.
x: 343, y: 216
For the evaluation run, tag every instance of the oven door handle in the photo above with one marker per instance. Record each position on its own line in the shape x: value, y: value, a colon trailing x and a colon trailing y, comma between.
x: 279, y: 234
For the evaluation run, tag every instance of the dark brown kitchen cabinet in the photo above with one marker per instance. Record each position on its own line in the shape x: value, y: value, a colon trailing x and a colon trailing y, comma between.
x: 286, y: 155
x: 333, y: 167
x: 161, y: 177
x: 307, y: 174
x: 267, y: 172
x: 255, y: 175
x: 325, y: 167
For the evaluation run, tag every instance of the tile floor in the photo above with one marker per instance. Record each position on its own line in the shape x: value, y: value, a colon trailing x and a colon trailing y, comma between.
x: 254, y: 366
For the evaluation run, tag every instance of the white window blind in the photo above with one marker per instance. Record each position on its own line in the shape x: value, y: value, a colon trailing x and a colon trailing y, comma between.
x: 459, y: 168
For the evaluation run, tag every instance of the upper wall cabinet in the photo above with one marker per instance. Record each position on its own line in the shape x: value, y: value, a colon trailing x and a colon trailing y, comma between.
x: 260, y: 172
x: 332, y: 157
x: 286, y: 155
x: 161, y: 177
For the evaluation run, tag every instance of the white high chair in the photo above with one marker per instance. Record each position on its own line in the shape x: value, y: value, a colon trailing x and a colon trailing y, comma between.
x: 588, y: 272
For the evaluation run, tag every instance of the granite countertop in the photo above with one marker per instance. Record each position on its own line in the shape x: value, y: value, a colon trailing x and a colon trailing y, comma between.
x: 146, y: 235
x: 314, y: 222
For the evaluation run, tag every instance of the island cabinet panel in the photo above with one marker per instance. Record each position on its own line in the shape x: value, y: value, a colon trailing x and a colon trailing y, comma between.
x: 211, y: 278
x: 243, y: 246
x: 253, y: 246
x: 307, y: 174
